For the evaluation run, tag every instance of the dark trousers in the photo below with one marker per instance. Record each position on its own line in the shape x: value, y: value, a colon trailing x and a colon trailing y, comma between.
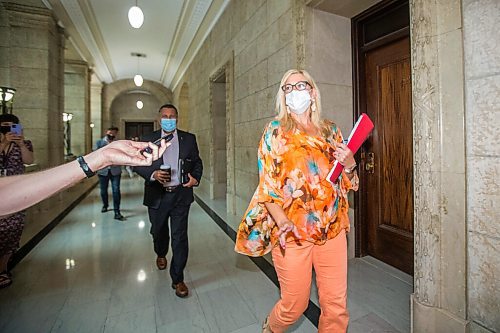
x: 115, y: 187
x: 175, y: 209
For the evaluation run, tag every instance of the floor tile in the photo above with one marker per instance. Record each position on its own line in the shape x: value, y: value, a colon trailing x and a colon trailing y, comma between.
x: 140, y: 320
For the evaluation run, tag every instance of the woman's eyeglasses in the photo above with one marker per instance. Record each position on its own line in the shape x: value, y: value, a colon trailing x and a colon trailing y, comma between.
x: 301, y: 85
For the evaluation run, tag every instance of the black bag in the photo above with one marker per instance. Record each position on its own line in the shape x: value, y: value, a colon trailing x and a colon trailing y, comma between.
x: 185, y: 167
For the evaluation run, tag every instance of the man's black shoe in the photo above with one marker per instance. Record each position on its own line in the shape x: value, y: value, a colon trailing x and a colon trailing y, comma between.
x: 119, y: 216
x: 104, y: 209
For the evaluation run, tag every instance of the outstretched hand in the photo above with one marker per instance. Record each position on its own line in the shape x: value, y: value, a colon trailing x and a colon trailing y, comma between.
x: 18, y: 190
x: 283, y: 229
x: 128, y: 152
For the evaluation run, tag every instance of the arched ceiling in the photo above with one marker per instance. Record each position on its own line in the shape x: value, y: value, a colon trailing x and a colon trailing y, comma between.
x: 100, y: 34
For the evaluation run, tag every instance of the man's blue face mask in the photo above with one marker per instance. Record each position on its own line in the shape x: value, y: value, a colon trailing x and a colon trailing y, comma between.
x: 168, y: 125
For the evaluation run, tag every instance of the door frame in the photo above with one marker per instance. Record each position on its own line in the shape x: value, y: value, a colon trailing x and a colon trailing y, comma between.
x: 123, y: 126
x: 359, y: 48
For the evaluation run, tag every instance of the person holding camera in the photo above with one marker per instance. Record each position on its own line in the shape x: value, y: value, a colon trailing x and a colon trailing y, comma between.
x: 168, y: 194
x: 113, y: 173
x: 15, y: 152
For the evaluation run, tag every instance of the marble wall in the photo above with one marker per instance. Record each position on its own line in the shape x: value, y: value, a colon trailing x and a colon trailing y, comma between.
x: 253, y: 41
x: 439, y: 302
x: 4, y: 48
x: 329, y: 60
x: 32, y: 61
x: 35, y: 69
x: 482, y: 94
x: 456, y: 166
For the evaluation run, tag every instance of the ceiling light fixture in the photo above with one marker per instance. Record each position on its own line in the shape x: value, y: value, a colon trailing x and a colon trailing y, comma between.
x: 7, y: 99
x: 140, y: 104
x: 135, y: 16
x: 138, y: 80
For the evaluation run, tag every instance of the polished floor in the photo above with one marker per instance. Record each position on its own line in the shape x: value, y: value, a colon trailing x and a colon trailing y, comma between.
x: 95, y: 274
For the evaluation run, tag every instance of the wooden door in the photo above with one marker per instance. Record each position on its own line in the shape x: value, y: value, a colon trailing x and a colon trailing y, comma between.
x: 387, y: 168
x: 137, y: 129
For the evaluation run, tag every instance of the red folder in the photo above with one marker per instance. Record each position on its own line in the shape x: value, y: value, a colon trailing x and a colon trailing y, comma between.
x: 359, y: 133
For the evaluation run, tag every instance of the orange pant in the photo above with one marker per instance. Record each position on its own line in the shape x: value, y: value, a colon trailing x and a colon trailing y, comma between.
x: 294, y: 268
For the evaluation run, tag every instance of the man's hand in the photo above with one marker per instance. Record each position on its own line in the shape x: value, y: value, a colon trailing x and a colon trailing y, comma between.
x: 161, y: 176
x: 18, y: 139
x: 192, y: 181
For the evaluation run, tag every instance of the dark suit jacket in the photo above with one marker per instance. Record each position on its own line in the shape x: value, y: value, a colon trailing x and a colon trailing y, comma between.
x: 188, y: 149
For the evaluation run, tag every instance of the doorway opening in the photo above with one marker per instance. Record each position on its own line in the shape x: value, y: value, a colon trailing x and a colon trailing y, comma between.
x: 137, y: 129
x: 219, y: 135
x: 382, y: 89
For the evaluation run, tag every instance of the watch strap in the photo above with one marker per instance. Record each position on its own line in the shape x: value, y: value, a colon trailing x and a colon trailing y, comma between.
x: 85, y: 167
x: 351, y: 169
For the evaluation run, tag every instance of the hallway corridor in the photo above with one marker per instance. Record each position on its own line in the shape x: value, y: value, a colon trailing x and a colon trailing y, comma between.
x: 95, y: 274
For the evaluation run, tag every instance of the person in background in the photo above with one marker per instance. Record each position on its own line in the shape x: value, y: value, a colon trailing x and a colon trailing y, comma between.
x: 113, y: 173
x: 295, y: 213
x: 17, y: 191
x: 22, y: 191
x: 168, y: 194
x: 129, y: 169
x: 15, y: 152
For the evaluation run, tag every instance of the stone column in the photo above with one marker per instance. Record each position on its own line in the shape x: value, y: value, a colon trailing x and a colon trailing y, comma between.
x: 482, y: 88
x: 77, y: 97
x: 95, y: 110
x: 439, y: 301
x: 4, y: 48
x: 35, y: 56
x: 105, y: 107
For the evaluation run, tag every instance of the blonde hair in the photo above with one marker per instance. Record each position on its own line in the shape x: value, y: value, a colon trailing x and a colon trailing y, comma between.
x: 286, y: 121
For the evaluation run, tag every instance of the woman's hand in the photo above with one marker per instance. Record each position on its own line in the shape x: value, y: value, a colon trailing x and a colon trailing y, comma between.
x: 284, y: 228
x: 126, y: 152
x: 11, y: 137
x: 344, y: 155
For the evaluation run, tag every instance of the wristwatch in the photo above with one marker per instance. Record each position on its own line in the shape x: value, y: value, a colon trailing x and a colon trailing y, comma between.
x: 351, y: 169
x: 85, y: 167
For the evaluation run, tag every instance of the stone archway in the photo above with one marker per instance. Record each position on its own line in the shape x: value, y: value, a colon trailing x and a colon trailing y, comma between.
x: 111, y: 91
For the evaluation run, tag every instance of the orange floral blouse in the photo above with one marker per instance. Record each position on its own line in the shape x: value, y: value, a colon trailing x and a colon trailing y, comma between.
x: 292, y: 173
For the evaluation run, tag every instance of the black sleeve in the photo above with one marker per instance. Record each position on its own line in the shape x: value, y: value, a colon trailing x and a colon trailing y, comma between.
x: 197, y: 162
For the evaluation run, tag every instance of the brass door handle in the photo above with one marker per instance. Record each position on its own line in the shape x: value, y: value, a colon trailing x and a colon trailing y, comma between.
x: 370, y: 163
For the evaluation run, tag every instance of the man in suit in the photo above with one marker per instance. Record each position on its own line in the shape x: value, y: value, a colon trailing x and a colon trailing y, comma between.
x: 169, y: 194
x: 112, y: 173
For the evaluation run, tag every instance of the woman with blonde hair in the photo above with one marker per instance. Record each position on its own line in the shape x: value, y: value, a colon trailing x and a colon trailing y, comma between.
x: 296, y: 208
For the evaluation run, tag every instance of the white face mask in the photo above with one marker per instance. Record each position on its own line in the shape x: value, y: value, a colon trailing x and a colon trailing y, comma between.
x: 298, y: 101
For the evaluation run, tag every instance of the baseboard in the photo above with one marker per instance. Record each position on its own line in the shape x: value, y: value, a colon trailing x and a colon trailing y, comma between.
x: 431, y: 319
